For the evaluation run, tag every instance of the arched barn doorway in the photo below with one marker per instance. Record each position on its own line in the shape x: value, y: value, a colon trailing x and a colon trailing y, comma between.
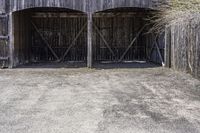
x: 121, y: 35
x: 49, y: 35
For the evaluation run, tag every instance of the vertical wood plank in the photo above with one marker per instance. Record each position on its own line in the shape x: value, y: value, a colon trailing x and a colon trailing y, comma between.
x: 11, y: 40
x: 89, y: 41
x: 167, y: 47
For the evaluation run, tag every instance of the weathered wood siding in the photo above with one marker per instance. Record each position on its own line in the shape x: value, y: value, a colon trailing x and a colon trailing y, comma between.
x: 183, y: 49
x: 3, y: 33
x: 70, y: 4
x: 100, y: 5
x: 2, y: 6
x: 81, y: 5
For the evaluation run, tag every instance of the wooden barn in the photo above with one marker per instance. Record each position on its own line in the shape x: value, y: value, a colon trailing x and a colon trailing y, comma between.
x: 89, y: 31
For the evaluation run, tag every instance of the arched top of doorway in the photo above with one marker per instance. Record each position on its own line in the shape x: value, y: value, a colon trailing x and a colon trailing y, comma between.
x: 76, y: 5
x: 126, y: 10
x: 103, y: 5
x: 50, y: 10
x: 80, y: 5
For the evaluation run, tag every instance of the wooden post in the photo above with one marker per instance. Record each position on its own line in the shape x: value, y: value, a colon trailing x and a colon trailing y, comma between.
x: 167, y: 47
x: 89, y: 40
x: 11, y: 40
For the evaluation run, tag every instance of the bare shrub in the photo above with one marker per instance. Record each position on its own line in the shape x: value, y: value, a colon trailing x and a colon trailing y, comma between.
x: 174, y: 12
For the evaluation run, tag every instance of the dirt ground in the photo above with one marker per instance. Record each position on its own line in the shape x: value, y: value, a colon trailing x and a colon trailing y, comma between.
x: 80, y: 100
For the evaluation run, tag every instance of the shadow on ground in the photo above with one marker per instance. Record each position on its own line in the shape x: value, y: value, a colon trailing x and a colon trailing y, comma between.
x: 106, y: 65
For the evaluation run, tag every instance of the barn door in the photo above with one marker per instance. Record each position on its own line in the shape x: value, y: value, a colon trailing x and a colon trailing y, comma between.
x: 59, y: 39
x: 3, y: 41
x: 156, y: 48
x: 119, y: 39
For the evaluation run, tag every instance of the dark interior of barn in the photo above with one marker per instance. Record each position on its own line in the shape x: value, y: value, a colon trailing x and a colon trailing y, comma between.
x: 49, y: 35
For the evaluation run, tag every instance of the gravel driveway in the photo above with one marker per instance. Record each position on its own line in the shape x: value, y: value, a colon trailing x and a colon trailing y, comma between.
x: 81, y: 100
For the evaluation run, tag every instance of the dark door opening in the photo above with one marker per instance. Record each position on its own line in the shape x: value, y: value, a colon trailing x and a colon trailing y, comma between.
x: 121, y: 35
x: 50, y: 35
